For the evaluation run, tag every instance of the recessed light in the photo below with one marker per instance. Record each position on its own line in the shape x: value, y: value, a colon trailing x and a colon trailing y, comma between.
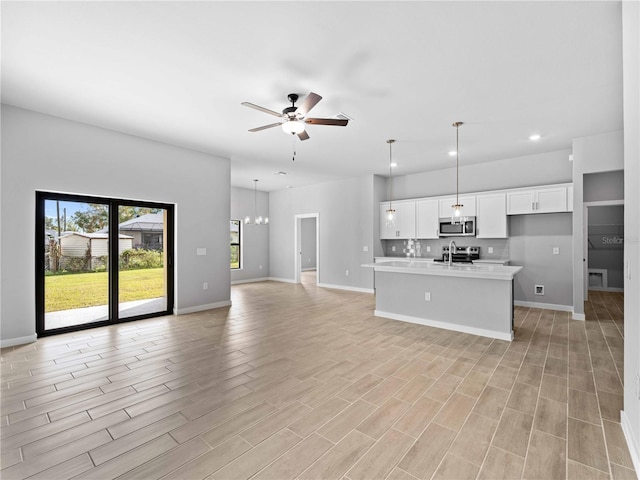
x: 280, y: 173
x: 535, y: 136
x: 393, y: 164
x: 452, y: 153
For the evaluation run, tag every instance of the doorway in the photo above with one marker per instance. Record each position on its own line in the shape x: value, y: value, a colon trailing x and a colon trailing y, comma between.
x: 604, y: 246
x: 101, y: 261
x: 307, y: 244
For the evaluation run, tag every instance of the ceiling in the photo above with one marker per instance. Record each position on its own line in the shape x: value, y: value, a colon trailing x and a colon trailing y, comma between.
x: 177, y: 72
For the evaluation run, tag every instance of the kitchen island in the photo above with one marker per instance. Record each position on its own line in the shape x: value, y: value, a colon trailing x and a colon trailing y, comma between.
x: 476, y: 299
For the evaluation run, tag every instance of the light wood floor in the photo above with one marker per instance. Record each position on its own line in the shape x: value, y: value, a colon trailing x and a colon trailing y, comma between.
x: 296, y: 381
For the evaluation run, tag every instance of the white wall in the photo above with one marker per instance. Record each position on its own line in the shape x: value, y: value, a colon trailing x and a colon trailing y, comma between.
x: 541, y: 169
x: 631, y: 91
x: 41, y: 152
x: 345, y: 226
x: 255, y: 238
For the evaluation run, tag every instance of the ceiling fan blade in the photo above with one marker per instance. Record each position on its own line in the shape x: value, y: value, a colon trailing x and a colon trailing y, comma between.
x: 308, y: 103
x: 303, y: 135
x: 262, y: 109
x: 264, y: 127
x: 327, y: 121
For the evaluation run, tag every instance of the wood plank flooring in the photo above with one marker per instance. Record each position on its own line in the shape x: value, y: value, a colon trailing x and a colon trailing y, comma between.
x: 301, y: 382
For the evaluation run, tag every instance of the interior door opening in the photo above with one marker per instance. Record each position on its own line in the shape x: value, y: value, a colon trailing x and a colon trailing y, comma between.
x: 605, y: 248
x: 307, y: 248
x: 101, y: 261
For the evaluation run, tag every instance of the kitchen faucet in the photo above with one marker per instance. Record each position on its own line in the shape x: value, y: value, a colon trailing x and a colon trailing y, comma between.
x: 451, y: 245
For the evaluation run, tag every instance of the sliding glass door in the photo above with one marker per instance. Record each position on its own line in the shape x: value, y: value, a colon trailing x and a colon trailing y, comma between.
x: 101, y: 261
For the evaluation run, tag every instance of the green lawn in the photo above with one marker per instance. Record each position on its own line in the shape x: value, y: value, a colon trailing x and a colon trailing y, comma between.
x: 77, y: 290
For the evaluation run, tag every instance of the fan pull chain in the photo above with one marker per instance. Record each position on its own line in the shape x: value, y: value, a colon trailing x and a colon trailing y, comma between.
x: 293, y: 146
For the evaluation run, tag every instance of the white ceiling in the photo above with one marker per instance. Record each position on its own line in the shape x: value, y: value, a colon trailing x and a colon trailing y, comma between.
x: 177, y: 72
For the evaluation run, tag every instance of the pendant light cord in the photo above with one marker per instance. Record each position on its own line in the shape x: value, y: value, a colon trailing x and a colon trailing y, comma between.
x: 390, y: 142
x: 457, y: 124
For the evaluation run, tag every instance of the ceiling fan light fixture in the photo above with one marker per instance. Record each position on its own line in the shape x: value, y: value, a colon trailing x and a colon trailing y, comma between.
x: 293, y: 126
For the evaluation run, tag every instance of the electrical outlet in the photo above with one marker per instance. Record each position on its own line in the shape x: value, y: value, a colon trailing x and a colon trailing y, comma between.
x: 490, y: 250
x: 427, y: 296
x: 428, y: 248
x: 205, y: 286
x: 539, y: 289
x: 393, y: 248
x: 346, y: 272
x: 201, y: 251
x: 260, y: 267
x: 365, y: 248
x: 556, y: 251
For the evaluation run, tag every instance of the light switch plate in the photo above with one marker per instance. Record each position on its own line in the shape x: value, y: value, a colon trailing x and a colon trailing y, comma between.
x: 490, y: 250
x: 365, y: 248
x: 201, y: 251
x: 556, y: 251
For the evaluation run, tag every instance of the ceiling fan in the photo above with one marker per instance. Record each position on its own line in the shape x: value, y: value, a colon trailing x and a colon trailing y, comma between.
x: 294, y: 118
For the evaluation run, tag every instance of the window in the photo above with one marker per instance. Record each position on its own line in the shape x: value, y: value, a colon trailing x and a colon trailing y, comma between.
x: 235, y: 244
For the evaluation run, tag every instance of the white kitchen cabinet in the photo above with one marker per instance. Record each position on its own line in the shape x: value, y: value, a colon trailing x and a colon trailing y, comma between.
x: 537, y: 200
x: 427, y: 219
x: 405, y: 221
x: 468, y: 209
x: 491, y: 216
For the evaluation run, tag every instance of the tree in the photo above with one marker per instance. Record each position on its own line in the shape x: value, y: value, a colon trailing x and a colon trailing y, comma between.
x: 93, y: 219
x: 127, y: 213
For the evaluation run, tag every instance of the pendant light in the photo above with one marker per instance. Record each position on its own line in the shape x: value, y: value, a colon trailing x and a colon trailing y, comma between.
x: 391, y: 213
x: 257, y: 220
x: 457, y: 207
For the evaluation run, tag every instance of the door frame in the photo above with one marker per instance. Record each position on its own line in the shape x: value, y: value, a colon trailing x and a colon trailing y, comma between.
x: 585, y: 239
x: 297, y: 243
x: 114, y: 245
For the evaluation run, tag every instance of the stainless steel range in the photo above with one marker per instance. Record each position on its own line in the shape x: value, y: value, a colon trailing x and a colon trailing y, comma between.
x: 460, y: 254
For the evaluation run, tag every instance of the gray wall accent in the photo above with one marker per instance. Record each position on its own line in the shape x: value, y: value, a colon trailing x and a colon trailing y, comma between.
x: 607, y: 222
x: 531, y: 243
x: 543, y: 169
x: 255, y: 238
x: 594, y: 154
x: 308, y: 241
x: 500, y: 247
x: 603, y: 186
x: 631, y: 94
x: 41, y: 152
x: 345, y: 224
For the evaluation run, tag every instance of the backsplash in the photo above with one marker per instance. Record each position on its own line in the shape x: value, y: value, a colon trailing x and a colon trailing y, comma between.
x: 418, y: 248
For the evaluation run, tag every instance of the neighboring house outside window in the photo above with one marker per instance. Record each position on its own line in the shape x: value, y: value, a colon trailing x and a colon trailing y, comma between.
x: 235, y: 244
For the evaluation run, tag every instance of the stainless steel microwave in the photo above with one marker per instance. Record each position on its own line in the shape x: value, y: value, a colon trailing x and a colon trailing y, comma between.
x: 462, y: 227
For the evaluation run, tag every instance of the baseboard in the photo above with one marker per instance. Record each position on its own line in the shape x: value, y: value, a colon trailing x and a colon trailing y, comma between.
x: 544, y: 306
x: 446, y: 325
x: 249, y: 280
x: 632, y: 443
x: 277, y: 279
x: 201, y: 308
x: 578, y: 316
x: 608, y: 289
x: 345, y: 287
x: 310, y: 269
x: 12, y: 342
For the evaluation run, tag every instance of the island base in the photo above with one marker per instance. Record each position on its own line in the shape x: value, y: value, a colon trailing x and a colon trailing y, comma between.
x: 471, y: 305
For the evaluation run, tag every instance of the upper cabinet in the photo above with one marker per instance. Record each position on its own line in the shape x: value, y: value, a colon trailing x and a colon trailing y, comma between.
x: 491, y: 218
x: 537, y: 200
x: 405, y: 220
x: 468, y: 206
x: 427, y: 218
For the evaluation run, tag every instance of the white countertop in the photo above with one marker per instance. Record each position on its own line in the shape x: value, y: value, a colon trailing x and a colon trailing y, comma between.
x: 422, y: 267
